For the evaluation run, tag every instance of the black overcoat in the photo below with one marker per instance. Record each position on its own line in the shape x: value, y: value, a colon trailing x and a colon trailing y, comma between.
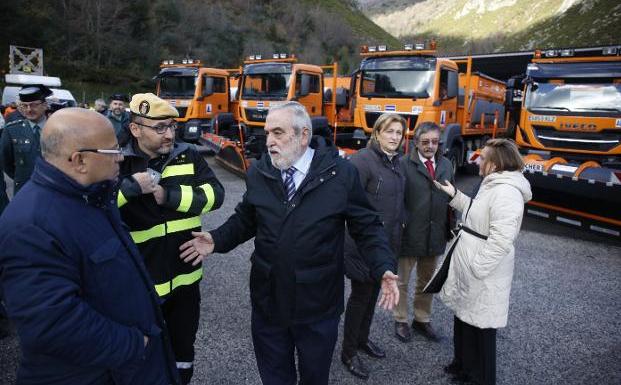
x: 297, y: 265
x: 384, y: 183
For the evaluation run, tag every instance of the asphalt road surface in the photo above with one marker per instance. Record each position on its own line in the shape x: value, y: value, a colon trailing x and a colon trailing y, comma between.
x: 564, y: 319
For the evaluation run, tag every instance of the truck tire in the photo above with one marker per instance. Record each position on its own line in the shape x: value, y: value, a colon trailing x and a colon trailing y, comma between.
x: 224, y: 122
x: 453, y: 157
x: 321, y: 127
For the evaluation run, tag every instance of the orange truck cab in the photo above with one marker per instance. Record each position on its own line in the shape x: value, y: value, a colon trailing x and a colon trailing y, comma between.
x: 238, y: 137
x: 199, y: 94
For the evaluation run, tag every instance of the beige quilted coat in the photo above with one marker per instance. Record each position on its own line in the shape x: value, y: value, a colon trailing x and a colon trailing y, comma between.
x: 479, y: 279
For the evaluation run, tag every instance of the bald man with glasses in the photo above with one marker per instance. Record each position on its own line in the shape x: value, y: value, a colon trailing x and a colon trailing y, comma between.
x: 74, y: 283
x: 165, y: 189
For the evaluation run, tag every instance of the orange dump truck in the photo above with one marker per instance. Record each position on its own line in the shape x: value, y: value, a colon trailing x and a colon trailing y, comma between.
x: 420, y: 86
x: 569, y: 129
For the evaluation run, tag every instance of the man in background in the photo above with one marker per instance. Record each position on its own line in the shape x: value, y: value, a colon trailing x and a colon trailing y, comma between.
x: 20, y: 139
x: 119, y: 117
x: 101, y: 106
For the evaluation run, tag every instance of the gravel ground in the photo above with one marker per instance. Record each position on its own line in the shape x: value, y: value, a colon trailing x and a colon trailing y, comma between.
x: 564, y: 319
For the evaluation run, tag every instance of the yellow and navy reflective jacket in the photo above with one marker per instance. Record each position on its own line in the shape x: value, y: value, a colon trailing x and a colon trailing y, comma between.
x: 192, y: 189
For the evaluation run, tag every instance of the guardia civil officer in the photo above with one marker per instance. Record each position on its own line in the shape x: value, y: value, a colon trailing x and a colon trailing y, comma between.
x: 20, y: 138
x: 165, y: 189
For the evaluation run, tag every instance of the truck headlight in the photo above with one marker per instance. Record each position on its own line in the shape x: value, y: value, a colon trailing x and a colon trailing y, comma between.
x: 192, y: 129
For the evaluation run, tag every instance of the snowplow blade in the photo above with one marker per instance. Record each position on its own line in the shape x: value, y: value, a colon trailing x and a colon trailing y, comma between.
x: 232, y: 158
x: 583, y: 195
x: 229, y: 153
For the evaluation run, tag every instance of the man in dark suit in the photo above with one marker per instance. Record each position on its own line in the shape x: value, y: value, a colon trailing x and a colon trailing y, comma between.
x: 297, y: 203
x: 425, y: 236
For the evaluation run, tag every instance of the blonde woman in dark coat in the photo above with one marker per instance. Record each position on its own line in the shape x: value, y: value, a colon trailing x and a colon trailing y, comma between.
x: 381, y: 176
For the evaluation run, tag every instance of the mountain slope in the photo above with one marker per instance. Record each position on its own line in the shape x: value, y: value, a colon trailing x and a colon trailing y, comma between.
x: 498, y: 25
x: 116, y: 41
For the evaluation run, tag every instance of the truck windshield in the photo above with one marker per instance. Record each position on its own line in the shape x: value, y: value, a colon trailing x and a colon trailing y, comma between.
x: 397, y: 83
x: 177, y: 86
x: 596, y: 98
x: 272, y: 86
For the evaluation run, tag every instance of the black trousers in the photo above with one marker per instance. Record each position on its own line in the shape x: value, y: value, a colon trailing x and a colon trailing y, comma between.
x: 275, y: 348
x: 182, y: 311
x: 359, y: 315
x: 475, y: 352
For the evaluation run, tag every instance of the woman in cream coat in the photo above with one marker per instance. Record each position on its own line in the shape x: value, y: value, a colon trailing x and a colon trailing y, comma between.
x: 479, y: 279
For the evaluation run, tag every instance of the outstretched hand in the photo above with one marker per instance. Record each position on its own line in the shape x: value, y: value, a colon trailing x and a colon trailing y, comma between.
x: 197, y: 248
x: 448, y: 188
x: 390, y: 291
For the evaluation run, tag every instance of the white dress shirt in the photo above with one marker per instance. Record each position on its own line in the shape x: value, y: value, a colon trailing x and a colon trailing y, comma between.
x: 423, y: 160
x: 302, y: 166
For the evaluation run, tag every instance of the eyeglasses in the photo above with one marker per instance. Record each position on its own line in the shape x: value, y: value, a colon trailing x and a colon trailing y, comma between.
x: 113, y: 152
x: 30, y: 105
x: 428, y: 142
x: 160, y: 129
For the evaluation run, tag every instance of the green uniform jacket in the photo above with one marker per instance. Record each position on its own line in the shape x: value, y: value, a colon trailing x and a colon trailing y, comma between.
x: 121, y: 127
x: 20, y: 149
x: 158, y: 230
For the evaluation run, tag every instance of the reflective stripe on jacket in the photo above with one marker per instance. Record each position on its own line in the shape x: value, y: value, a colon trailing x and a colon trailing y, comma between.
x: 158, y: 230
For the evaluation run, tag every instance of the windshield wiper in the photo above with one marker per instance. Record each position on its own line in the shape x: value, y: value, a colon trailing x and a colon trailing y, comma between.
x: 602, y: 109
x: 176, y: 95
x: 551, y: 108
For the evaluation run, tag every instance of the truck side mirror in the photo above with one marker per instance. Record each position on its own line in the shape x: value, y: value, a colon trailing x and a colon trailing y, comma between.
x: 304, y: 85
x: 529, y: 81
x: 509, y: 96
x: 207, y: 86
x: 451, y: 89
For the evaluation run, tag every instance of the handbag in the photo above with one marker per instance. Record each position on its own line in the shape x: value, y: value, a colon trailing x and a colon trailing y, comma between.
x: 439, y: 277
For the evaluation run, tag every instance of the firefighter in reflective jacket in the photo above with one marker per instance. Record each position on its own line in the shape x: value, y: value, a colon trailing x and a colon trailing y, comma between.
x: 165, y: 187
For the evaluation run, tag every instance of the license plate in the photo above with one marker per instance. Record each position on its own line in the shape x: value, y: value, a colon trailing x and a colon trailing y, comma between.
x: 536, y: 167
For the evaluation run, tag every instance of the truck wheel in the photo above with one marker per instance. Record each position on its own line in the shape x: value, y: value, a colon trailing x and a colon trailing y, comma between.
x: 453, y: 157
x: 471, y: 169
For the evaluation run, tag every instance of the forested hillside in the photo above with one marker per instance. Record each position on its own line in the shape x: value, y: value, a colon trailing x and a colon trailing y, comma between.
x: 481, y: 26
x: 119, y: 41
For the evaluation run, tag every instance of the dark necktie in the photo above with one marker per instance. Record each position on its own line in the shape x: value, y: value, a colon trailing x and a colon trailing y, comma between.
x: 289, y: 183
x: 36, y: 136
x: 432, y: 172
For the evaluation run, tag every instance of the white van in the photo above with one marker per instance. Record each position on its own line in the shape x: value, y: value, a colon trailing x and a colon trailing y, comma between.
x: 15, y: 82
